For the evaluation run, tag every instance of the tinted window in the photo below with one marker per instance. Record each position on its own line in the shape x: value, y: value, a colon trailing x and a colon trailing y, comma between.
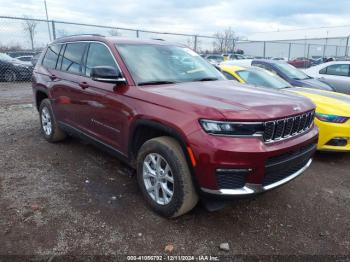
x: 291, y: 72
x: 99, y: 55
x: 260, y: 77
x: 72, y: 58
x: 338, y: 70
x: 50, y: 59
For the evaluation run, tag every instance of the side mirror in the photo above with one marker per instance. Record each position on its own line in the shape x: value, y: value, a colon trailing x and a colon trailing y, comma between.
x: 107, y: 74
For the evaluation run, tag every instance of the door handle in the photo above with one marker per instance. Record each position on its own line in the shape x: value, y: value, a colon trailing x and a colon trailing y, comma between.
x: 83, y: 85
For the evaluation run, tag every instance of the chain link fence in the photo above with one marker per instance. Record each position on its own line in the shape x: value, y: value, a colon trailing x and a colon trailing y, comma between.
x: 22, y: 39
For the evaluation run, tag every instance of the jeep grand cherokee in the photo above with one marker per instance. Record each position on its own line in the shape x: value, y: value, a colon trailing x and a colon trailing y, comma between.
x: 173, y: 117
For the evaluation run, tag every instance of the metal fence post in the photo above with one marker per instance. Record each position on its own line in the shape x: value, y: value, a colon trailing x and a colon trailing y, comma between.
x: 53, y: 30
x: 264, y: 50
x: 195, y: 43
x: 289, y: 50
x: 347, y: 46
x: 324, y: 50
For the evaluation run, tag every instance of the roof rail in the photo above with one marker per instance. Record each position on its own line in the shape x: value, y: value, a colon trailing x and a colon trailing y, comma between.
x: 79, y: 35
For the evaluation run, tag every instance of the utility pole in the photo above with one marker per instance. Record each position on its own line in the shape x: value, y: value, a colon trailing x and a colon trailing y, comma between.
x: 47, y: 19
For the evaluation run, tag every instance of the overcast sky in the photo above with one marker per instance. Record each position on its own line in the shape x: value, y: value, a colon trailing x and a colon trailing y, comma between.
x: 205, y: 17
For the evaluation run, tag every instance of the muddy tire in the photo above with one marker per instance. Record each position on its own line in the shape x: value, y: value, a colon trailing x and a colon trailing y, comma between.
x: 164, y: 177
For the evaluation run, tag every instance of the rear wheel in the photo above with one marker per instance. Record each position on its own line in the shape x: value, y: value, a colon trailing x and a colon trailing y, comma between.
x: 49, y: 127
x: 10, y: 76
x: 164, y: 177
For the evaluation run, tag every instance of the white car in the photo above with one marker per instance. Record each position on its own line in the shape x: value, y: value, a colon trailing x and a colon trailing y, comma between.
x: 335, y: 73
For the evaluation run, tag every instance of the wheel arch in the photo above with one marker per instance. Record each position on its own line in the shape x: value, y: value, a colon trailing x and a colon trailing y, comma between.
x: 144, y: 129
x: 40, y: 95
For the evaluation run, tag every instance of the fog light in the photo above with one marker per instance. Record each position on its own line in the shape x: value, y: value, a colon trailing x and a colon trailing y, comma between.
x: 338, y: 141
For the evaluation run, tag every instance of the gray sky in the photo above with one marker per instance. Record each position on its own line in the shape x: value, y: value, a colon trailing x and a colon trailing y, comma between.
x: 204, y: 17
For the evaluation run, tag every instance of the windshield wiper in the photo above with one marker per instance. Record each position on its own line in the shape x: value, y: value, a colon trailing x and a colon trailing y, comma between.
x: 157, y: 82
x: 207, y: 79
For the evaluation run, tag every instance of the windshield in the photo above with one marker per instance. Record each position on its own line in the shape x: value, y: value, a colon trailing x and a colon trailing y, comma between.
x: 261, y: 77
x: 5, y: 57
x: 149, y: 63
x: 291, y: 71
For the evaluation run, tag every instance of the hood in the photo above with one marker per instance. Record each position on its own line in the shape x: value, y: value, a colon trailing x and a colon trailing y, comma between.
x: 327, y: 102
x: 314, y: 83
x: 233, y: 100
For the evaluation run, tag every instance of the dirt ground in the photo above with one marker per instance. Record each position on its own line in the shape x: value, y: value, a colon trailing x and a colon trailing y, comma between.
x: 70, y: 198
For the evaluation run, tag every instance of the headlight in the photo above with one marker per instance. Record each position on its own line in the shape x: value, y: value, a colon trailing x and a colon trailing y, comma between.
x: 231, y: 128
x: 331, y: 118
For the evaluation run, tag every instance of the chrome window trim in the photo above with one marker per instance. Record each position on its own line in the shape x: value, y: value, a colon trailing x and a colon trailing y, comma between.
x: 88, y: 41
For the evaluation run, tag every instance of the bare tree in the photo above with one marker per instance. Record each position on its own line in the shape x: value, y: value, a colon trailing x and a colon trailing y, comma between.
x: 29, y: 27
x: 114, y: 32
x: 225, y: 41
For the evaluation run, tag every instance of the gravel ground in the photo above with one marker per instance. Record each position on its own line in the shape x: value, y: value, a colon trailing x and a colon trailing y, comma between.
x: 70, y: 198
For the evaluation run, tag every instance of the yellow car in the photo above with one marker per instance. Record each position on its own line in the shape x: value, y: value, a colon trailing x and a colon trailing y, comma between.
x: 332, y: 109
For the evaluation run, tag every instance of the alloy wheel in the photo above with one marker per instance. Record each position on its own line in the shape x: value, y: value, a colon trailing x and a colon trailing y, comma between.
x: 158, y: 178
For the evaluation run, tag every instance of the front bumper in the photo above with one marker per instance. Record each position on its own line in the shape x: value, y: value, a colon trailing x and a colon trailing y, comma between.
x: 233, y: 166
x: 251, y: 189
x: 329, y: 131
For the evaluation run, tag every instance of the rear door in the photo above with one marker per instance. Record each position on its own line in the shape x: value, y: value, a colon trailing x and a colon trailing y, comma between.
x: 70, y: 102
x: 336, y: 75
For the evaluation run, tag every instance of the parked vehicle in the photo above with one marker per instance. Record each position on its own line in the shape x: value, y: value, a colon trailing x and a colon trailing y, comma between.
x: 300, y: 62
x: 27, y: 60
x: 236, y: 57
x: 335, y: 73
x: 332, y: 109
x: 187, y: 131
x: 291, y: 74
x: 12, y: 69
x: 214, y: 59
x: 15, y: 54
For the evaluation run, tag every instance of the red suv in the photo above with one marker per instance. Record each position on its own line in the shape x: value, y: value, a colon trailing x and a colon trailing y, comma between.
x: 173, y: 117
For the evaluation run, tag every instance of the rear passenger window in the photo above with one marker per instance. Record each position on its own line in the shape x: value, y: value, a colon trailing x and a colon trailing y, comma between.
x: 337, y: 70
x: 72, y: 58
x: 99, y: 55
x: 51, y: 56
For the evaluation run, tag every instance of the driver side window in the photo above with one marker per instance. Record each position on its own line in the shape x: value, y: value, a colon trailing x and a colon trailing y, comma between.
x: 99, y: 55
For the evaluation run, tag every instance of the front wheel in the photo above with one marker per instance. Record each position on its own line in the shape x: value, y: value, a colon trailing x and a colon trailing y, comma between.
x: 164, y: 177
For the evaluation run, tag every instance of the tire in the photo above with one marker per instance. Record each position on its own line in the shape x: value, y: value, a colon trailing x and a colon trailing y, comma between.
x: 48, y: 124
x: 184, y: 196
x: 10, y: 76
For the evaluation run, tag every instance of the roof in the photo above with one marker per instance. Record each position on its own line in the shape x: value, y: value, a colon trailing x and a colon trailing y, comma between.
x: 113, y: 39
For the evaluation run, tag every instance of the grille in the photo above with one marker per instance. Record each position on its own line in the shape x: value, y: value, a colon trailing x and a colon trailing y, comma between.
x: 287, y: 127
x: 282, y: 166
